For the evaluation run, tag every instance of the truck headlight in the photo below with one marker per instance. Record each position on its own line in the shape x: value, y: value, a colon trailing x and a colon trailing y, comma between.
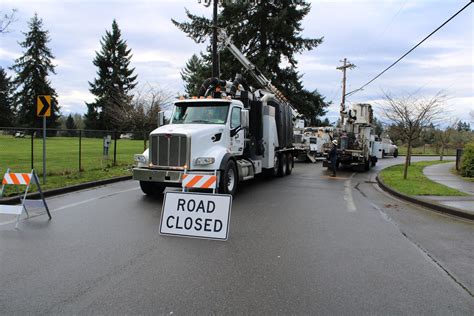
x: 205, y: 161
x: 140, y: 158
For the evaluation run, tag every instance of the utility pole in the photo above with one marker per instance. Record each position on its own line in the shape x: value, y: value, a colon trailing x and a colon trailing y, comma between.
x: 346, y: 64
x: 215, y: 57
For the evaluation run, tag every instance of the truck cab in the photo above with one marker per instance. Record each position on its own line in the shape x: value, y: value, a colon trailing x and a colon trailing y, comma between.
x: 202, y: 135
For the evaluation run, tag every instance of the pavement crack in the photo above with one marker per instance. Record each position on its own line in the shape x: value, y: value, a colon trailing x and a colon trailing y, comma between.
x: 438, y: 264
x: 413, y: 242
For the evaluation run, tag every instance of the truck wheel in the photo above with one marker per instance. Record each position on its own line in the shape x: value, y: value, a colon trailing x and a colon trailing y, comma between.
x: 373, y: 161
x: 383, y: 153
x: 395, y: 153
x: 282, y: 169
x: 147, y: 187
x: 151, y: 188
x: 289, y: 161
x: 367, y: 165
x: 276, y: 165
x: 229, y: 180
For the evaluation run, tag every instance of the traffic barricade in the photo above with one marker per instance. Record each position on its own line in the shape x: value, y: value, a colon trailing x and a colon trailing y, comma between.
x: 199, y: 181
x: 23, y: 179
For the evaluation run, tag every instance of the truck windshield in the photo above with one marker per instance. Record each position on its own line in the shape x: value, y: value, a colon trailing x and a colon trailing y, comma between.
x: 200, y: 113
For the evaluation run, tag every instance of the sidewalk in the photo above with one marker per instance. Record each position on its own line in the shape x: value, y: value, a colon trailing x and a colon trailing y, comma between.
x: 441, y: 173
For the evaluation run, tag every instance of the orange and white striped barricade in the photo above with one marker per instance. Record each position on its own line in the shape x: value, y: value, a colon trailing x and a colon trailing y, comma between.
x: 22, y: 179
x: 199, y: 181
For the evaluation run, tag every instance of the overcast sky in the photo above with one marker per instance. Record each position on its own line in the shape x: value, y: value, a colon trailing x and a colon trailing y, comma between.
x: 371, y: 34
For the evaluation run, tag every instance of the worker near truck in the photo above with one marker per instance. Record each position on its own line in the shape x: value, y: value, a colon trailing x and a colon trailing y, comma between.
x: 333, y: 157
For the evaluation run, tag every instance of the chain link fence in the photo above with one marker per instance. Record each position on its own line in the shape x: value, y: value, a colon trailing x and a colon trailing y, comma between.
x: 68, y: 151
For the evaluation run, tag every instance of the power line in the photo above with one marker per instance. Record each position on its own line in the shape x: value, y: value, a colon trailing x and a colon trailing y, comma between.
x: 393, y: 64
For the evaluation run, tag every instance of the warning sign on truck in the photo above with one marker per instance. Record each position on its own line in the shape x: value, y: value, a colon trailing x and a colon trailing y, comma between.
x: 196, y: 215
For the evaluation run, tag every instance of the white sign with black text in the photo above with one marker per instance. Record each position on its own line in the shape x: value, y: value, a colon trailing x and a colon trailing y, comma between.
x: 198, y: 215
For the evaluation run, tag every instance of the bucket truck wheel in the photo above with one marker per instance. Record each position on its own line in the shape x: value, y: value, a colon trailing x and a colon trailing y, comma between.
x: 282, y: 169
x: 383, y: 153
x: 395, y: 153
x: 289, y: 164
x: 229, y: 179
x: 367, y: 164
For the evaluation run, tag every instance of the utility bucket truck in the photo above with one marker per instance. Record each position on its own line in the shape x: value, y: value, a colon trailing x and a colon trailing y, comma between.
x: 230, y: 130
x: 355, y: 138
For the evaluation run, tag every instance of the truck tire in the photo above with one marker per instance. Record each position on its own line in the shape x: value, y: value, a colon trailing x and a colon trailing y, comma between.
x: 395, y: 153
x: 276, y: 166
x: 383, y: 153
x: 151, y: 188
x: 290, y: 163
x: 282, y: 168
x: 373, y: 161
x: 367, y: 165
x: 229, y: 179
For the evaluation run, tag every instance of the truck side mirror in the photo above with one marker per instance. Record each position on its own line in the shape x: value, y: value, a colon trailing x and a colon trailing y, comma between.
x: 161, y: 118
x: 244, y: 118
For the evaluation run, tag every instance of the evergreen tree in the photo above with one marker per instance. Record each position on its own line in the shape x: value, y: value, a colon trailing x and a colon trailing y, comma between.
x: 32, y: 70
x: 6, y: 101
x: 269, y: 34
x: 194, y: 75
x: 70, y: 125
x: 114, y: 81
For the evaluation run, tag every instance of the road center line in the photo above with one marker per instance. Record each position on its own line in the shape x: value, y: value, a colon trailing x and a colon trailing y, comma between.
x: 348, y: 195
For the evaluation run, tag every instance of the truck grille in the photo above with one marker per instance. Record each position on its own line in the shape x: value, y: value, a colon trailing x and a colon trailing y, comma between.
x: 169, y: 150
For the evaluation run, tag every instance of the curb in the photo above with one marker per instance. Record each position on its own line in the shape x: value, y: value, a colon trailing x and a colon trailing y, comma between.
x: 68, y: 189
x: 432, y: 206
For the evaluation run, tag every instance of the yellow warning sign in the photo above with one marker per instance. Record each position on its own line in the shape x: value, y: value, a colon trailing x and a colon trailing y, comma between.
x: 43, y: 105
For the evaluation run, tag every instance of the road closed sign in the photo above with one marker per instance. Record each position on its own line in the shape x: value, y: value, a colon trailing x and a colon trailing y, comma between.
x: 196, y: 215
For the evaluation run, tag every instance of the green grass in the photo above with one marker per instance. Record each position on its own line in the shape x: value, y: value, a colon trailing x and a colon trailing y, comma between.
x: 62, y: 158
x: 416, y: 183
x: 426, y: 150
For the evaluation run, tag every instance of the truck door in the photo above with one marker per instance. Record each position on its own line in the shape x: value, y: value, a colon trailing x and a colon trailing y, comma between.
x: 237, y: 134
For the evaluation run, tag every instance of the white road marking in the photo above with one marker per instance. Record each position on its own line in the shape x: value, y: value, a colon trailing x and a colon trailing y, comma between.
x: 74, y: 204
x: 348, y: 195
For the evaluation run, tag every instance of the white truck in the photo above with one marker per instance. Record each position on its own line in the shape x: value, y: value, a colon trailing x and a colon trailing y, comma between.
x: 309, y: 142
x: 227, y: 131
x: 383, y: 147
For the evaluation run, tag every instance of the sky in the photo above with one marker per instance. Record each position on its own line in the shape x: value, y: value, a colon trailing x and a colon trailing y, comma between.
x: 370, y: 34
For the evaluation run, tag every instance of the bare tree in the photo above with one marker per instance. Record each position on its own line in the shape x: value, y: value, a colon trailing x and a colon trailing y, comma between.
x: 444, y: 136
x: 411, y: 114
x: 6, y: 19
x: 141, y: 116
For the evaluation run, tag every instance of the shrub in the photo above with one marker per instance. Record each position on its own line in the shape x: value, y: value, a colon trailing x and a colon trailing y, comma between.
x: 467, y: 162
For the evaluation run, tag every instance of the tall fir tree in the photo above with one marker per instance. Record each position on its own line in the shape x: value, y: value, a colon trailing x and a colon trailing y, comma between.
x: 6, y: 99
x: 114, y: 83
x: 193, y: 75
x: 32, y: 72
x: 269, y: 34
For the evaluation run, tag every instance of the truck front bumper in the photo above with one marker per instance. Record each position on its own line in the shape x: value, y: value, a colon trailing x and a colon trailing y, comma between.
x: 158, y: 175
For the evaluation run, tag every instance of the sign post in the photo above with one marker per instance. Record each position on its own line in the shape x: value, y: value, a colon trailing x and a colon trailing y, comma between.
x: 43, y: 109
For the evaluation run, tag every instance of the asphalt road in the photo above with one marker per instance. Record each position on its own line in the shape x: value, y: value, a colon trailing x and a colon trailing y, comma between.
x: 303, y: 244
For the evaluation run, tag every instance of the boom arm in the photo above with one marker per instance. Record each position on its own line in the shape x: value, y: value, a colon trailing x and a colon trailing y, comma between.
x: 226, y: 41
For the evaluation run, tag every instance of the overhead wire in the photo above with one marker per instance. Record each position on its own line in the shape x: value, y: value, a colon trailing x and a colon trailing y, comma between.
x: 408, y: 52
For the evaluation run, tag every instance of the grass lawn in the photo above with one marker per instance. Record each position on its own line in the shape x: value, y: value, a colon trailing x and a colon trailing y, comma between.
x: 62, y: 158
x: 416, y: 183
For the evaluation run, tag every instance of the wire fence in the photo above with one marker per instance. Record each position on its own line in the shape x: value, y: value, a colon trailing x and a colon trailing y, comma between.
x: 68, y: 151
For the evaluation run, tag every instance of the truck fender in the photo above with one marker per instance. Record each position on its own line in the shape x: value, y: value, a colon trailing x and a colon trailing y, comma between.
x: 224, y: 161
